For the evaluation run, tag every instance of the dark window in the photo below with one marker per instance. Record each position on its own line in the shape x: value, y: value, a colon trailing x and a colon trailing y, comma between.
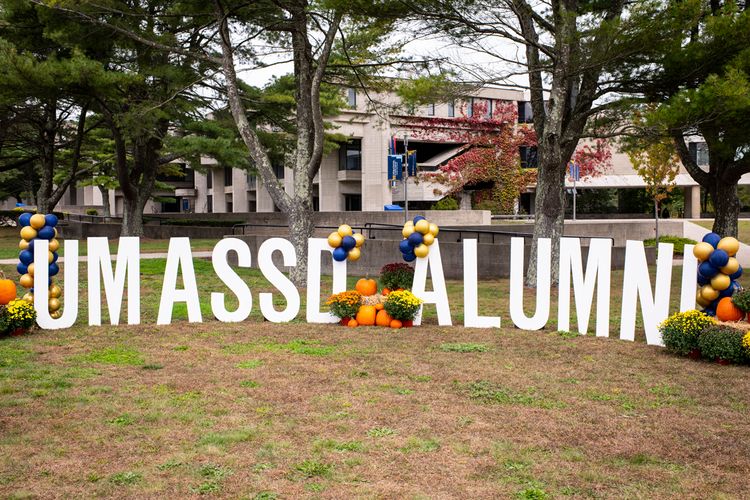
x: 227, y: 176
x: 182, y: 175
x: 171, y: 206
x: 252, y: 206
x: 350, y: 155
x: 252, y: 181
x: 452, y: 109
x: 230, y: 203
x: 278, y: 170
x: 351, y: 98
x: 74, y: 195
x: 209, y: 179
x: 699, y: 152
x: 525, y: 113
x: 353, y: 202
x: 431, y: 109
x: 209, y: 204
x: 316, y: 204
x: 528, y: 156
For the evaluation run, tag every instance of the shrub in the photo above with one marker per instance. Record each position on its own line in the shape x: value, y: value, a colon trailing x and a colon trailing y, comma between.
x: 681, y: 330
x: 345, y: 304
x: 92, y: 211
x: 722, y: 342
x: 402, y: 305
x: 746, y: 344
x: 17, y: 314
x: 678, y: 241
x: 447, y: 203
x: 742, y: 300
x: 396, y: 275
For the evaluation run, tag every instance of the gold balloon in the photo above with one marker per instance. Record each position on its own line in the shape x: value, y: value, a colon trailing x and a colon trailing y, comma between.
x: 729, y: 245
x: 26, y: 281
x: 334, y: 239
x: 50, y: 257
x: 56, y: 314
x: 700, y: 300
x: 54, y: 304
x: 37, y: 221
x: 434, y: 229
x: 54, y: 245
x: 421, y: 250
x: 708, y: 293
x: 56, y: 232
x: 408, y: 229
x: 428, y: 239
x: 360, y: 239
x: 720, y: 282
x: 55, y: 291
x: 28, y: 297
x: 354, y: 254
x: 345, y: 230
x: 23, y: 244
x: 28, y: 233
x: 30, y: 269
x: 422, y: 226
x: 732, y: 266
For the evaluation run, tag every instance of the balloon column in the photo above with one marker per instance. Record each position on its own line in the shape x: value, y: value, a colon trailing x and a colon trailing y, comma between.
x: 33, y: 228
x: 346, y: 243
x: 718, y: 270
x: 419, y: 234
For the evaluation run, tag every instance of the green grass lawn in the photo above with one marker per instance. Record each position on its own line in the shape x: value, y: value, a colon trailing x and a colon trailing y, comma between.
x: 260, y: 410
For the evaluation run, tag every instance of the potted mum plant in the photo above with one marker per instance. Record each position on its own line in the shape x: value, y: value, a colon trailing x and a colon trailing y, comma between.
x: 681, y: 330
x: 723, y: 344
x: 403, y: 306
x: 345, y: 305
x: 17, y: 317
x: 741, y: 299
x: 395, y: 276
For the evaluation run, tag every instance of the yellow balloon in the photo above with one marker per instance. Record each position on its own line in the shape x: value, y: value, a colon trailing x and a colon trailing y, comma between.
x: 354, y: 254
x: 700, y: 300
x: 28, y: 233
x: 26, y: 281
x: 360, y: 239
x: 729, y: 245
x: 28, y: 297
x: 30, y: 269
x: 428, y: 239
x: 55, y: 291
x: 702, y: 250
x: 408, y: 229
x: 345, y: 230
x: 56, y: 232
x: 56, y: 314
x: 708, y: 293
x: 434, y: 229
x: 54, y: 304
x: 732, y: 266
x: 422, y: 250
x: 720, y: 282
x: 37, y: 221
x: 334, y: 239
x: 23, y: 244
x: 422, y: 226
x: 54, y: 245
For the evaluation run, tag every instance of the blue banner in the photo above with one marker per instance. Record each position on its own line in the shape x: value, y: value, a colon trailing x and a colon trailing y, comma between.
x: 411, y: 163
x: 395, y: 167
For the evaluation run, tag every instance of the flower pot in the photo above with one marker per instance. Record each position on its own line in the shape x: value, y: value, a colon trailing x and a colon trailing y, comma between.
x: 344, y: 321
x: 695, y: 354
x: 18, y: 331
x: 408, y: 323
x: 723, y: 362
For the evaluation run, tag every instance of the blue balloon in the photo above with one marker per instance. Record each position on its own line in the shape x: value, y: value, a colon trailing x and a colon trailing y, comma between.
x: 404, y: 246
x: 50, y: 220
x: 409, y: 257
x: 26, y: 257
x: 348, y: 242
x: 418, y: 218
x: 712, y: 239
x: 709, y: 312
x: 718, y: 258
x: 54, y: 256
x: 339, y: 254
x: 703, y: 280
x: 736, y: 274
x: 707, y: 270
x: 53, y: 269
x: 30, y: 248
x: 46, y: 233
x: 22, y: 268
x: 415, y: 239
x: 727, y: 292
x: 24, y: 219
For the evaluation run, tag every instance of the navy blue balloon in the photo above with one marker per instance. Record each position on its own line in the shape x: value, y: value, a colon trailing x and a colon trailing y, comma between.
x: 702, y: 280
x: 348, y: 242
x: 418, y: 218
x: 26, y: 257
x: 409, y: 257
x: 707, y: 270
x: 22, y: 268
x: 54, y: 256
x: 405, y: 247
x: 30, y: 248
x: 339, y: 254
x: 415, y: 239
x: 50, y: 220
x: 53, y: 269
x: 712, y: 239
x: 46, y: 233
x: 736, y: 274
x: 24, y: 219
x: 709, y: 312
x: 727, y: 292
x: 718, y: 258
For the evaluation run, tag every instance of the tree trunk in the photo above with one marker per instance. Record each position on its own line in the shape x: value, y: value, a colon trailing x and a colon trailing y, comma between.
x: 549, y: 210
x: 107, y: 212
x: 132, y: 217
x: 301, y: 227
x: 47, y: 143
x: 656, y: 222
x: 726, y: 207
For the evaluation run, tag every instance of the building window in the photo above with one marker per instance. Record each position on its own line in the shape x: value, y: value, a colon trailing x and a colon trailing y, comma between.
x: 528, y: 156
x: 699, y: 152
x: 252, y: 206
x: 278, y: 170
x: 229, y: 202
x: 227, y: 176
x: 353, y: 202
x: 209, y: 204
x: 431, y: 109
x: 252, y: 181
x: 525, y: 113
x: 351, y: 98
x: 209, y: 179
x: 470, y: 108
x: 350, y: 155
x: 488, y: 108
x: 452, y: 109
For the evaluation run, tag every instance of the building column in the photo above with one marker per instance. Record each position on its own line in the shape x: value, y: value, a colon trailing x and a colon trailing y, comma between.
x: 692, y: 202
x: 328, y: 183
x: 375, y: 190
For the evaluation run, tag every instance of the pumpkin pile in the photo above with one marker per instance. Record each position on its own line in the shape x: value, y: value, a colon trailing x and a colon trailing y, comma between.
x: 419, y: 234
x: 346, y: 243
x: 34, y: 228
x: 718, y: 270
x: 370, y: 310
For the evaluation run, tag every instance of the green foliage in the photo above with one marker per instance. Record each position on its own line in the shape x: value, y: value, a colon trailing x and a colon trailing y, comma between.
x: 722, y: 342
x: 464, y: 347
x: 313, y: 468
x: 402, y: 305
x: 117, y: 355
x: 429, y: 89
x: 379, y: 432
x: 126, y: 478
x: 92, y: 211
x: 679, y: 242
x: 742, y: 300
x: 396, y: 275
x: 447, y: 203
x: 681, y: 331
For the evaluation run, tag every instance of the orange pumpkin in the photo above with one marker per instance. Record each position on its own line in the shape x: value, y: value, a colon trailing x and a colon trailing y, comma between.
x: 367, y: 287
x: 385, y: 291
x: 366, y: 315
x: 352, y: 323
x: 727, y: 311
x: 7, y: 290
x: 379, y: 306
x: 396, y: 323
x: 383, y: 319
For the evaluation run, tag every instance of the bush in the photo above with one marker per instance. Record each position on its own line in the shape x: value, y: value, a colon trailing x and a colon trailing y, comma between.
x: 396, y: 275
x: 678, y: 241
x: 402, y: 305
x: 447, y: 203
x: 722, y: 342
x: 92, y: 211
x: 681, y: 330
x: 742, y: 300
x: 17, y: 314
